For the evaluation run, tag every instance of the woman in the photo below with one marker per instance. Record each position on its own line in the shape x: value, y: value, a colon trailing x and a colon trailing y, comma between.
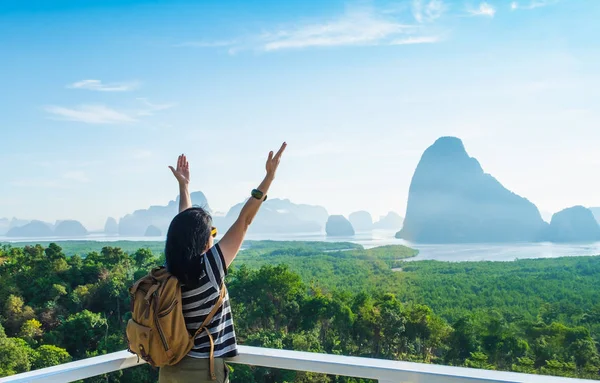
x: 200, y: 265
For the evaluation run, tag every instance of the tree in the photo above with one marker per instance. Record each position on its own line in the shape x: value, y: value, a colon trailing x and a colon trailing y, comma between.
x: 16, y: 313
x: 242, y: 374
x: 424, y: 330
x: 143, y: 258
x: 31, y: 331
x: 462, y: 341
x: 339, y: 302
x: 393, y: 327
x: 559, y: 368
x: 80, y: 296
x: 80, y: 333
x: 58, y: 291
x: 479, y: 360
x: 271, y: 295
x: 54, y: 252
x: 524, y: 365
x: 366, y: 330
x: 49, y: 355
x: 15, y: 356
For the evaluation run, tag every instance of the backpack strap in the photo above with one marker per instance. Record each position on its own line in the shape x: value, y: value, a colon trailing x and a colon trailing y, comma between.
x: 160, y: 274
x: 203, y: 327
x: 157, y: 275
x: 151, y: 291
x: 135, y: 286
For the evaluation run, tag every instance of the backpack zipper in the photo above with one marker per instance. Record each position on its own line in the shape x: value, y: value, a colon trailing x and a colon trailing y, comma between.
x: 168, y: 310
x: 160, y: 332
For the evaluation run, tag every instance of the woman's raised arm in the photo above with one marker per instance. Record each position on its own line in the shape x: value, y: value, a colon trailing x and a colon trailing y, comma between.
x: 182, y: 174
x: 232, y: 241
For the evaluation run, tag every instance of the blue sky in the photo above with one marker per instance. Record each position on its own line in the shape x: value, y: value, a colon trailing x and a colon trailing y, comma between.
x: 98, y: 97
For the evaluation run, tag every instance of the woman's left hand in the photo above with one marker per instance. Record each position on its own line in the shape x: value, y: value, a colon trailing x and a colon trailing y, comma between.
x: 182, y: 173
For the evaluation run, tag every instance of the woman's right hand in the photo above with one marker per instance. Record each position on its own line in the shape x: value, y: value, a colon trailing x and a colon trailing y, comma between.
x: 273, y: 161
x: 182, y: 173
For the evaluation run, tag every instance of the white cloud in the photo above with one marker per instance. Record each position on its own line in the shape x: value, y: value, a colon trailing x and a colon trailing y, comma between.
x: 484, y: 9
x: 150, y: 108
x: 90, y: 114
x: 101, y: 114
x: 417, y: 40
x: 97, y: 85
x: 532, y: 4
x: 356, y: 27
x: 427, y: 11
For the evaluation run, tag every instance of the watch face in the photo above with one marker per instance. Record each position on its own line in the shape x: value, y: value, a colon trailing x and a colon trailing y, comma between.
x: 257, y: 194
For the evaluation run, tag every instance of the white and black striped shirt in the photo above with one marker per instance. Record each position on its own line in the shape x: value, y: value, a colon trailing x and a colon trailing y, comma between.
x: 198, y: 302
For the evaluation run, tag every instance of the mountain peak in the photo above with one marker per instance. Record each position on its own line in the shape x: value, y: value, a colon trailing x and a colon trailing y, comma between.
x: 574, y: 224
x: 447, y: 147
x: 452, y: 200
x: 449, y: 144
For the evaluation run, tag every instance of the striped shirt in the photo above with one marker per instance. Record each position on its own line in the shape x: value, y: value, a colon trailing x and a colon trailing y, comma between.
x: 198, y: 302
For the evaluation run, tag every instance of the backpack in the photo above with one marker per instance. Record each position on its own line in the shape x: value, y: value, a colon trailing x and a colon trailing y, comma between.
x: 156, y: 331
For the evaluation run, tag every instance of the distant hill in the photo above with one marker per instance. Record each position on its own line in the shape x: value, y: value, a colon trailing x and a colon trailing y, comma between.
x: 136, y: 223
x: 152, y: 231
x: 339, y: 226
x: 575, y: 224
x: 7, y: 224
x: 452, y: 200
x: 279, y: 216
x: 275, y: 216
x: 391, y: 221
x: 70, y: 228
x: 31, y: 229
x: 4, y: 225
x: 111, y: 227
x: 596, y: 212
x: 361, y: 220
x: 304, y: 212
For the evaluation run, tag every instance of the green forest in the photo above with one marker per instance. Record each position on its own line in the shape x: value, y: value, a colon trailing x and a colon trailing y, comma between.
x: 68, y: 301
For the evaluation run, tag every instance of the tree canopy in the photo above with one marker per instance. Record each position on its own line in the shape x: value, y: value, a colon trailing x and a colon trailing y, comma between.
x: 536, y: 316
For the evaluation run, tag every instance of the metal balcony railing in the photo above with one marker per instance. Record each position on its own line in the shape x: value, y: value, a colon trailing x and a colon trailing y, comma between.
x: 384, y: 371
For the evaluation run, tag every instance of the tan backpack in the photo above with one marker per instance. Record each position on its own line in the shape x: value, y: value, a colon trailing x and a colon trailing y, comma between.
x: 156, y: 331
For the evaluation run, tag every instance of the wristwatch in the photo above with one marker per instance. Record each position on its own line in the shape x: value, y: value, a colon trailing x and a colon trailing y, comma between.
x: 259, y: 195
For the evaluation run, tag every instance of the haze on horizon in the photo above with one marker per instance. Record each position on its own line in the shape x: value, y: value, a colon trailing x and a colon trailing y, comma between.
x: 102, y: 96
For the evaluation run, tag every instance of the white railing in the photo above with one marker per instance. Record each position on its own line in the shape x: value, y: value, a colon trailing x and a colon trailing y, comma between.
x: 385, y: 371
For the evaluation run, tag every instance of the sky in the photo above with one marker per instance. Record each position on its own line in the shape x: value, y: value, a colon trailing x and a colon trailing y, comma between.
x: 99, y: 97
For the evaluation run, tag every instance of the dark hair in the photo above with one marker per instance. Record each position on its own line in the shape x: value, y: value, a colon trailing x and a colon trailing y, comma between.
x: 187, y: 238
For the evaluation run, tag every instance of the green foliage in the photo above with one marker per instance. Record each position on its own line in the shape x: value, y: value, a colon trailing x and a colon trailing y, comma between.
x: 560, y: 289
x: 80, y: 333
x: 478, y: 360
x: 31, y: 331
x: 70, y: 248
x: 48, y: 355
x: 349, y: 270
x: 60, y: 303
x: 15, y: 356
x: 16, y: 313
